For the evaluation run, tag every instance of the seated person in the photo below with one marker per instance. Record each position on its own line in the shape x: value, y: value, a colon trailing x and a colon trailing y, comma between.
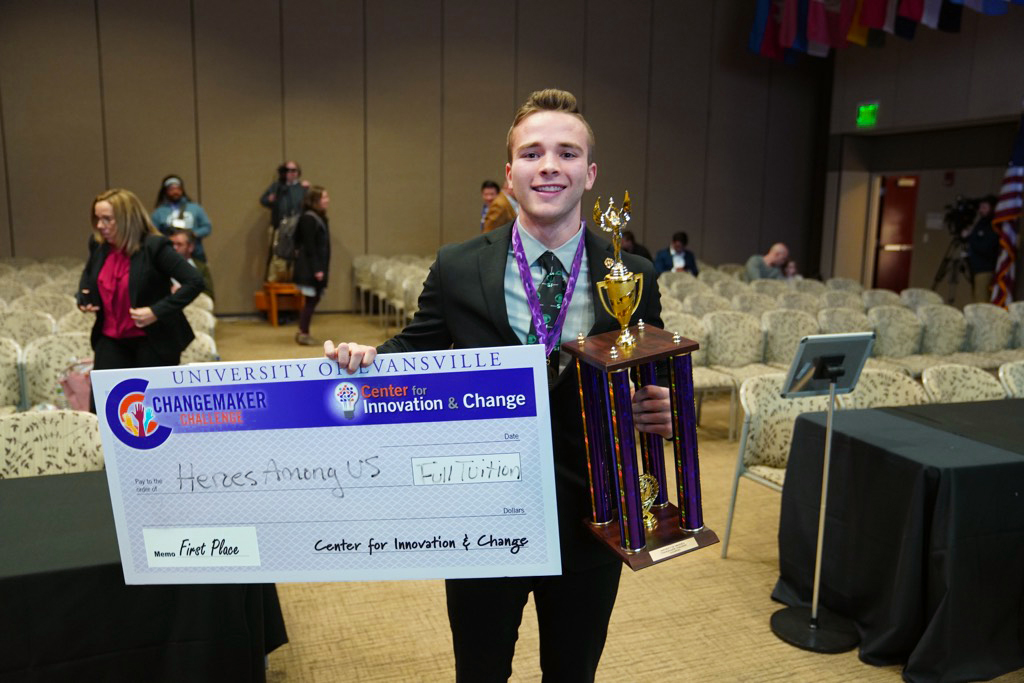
x: 769, y: 266
x: 676, y: 257
x: 184, y: 242
x: 629, y: 244
x: 792, y: 272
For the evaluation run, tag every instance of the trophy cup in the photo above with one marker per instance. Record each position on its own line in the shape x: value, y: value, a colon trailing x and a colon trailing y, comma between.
x: 630, y: 508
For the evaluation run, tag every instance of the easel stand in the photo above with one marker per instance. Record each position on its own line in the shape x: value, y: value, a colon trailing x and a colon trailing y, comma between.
x: 816, y: 629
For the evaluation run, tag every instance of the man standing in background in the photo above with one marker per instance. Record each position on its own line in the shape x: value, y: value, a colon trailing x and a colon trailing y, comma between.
x: 488, y: 191
x: 503, y: 210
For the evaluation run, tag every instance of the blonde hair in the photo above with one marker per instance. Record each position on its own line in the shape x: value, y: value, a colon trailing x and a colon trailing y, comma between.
x: 550, y: 99
x: 130, y: 217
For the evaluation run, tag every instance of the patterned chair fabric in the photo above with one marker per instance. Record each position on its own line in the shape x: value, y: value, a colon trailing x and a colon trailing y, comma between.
x: 710, y: 276
x: 702, y: 304
x: 54, y: 304
x: 46, y: 359
x: 734, y: 339
x: 50, y: 270
x: 1012, y: 377
x: 691, y: 327
x: 33, y: 279
x: 6, y: 269
x: 783, y: 330
x: 845, y: 284
x: 989, y: 328
x: 57, y: 287
x: 203, y: 301
x: 668, y: 303
x: 11, y: 288
x: 880, y: 297
x: 10, y: 375
x: 18, y: 261
x: 883, y: 388
x: 49, y: 442
x: 772, y: 288
x: 681, y: 288
x: 734, y: 269
x: 952, y: 383
x: 24, y: 326
x: 754, y: 304
x: 897, y: 331
x: 200, y: 320
x: 841, y: 298
x: 945, y: 329
x: 727, y: 289
x: 1016, y: 311
x: 76, y: 321
x: 836, y: 320
x: 810, y: 286
x: 202, y: 349
x: 799, y: 301
x: 68, y: 263
x: 916, y: 297
x: 669, y: 278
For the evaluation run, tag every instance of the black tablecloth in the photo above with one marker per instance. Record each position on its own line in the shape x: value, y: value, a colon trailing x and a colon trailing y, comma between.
x: 67, y: 615
x: 924, y: 534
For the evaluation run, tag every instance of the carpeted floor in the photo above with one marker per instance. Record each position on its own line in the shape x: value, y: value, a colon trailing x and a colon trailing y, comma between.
x: 694, y: 618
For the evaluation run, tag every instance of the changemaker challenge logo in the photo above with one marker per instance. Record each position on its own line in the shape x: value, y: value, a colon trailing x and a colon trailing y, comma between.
x: 130, y: 420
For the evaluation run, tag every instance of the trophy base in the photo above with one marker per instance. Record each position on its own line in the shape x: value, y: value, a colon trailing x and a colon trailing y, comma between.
x: 664, y: 542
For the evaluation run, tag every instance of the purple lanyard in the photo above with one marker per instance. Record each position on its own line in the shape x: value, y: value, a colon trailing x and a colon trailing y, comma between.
x: 549, y: 338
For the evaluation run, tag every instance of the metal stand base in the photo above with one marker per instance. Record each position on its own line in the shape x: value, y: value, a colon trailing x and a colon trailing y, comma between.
x: 831, y: 635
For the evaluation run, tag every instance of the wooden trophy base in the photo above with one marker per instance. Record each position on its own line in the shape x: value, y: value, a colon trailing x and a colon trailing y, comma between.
x: 664, y: 541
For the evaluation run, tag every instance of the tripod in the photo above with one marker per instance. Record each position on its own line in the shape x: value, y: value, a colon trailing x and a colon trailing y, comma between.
x: 953, y: 265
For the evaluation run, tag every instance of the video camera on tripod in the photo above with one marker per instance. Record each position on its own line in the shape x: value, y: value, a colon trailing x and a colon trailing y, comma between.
x: 960, y: 214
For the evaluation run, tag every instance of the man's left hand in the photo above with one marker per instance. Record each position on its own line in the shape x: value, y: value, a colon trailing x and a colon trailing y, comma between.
x: 652, y: 410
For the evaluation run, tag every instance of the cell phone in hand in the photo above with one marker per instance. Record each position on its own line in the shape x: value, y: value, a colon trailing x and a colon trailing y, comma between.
x: 88, y: 298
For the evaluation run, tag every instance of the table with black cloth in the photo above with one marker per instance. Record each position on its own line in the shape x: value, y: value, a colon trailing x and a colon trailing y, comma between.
x: 924, y: 534
x: 67, y: 615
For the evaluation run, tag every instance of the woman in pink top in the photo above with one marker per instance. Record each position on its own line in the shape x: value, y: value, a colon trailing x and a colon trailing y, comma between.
x: 127, y: 283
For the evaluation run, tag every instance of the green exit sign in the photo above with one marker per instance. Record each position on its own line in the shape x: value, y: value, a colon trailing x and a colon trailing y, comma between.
x: 867, y: 115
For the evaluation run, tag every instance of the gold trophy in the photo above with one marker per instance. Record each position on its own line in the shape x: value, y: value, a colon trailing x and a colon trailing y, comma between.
x: 620, y: 290
x: 648, y: 494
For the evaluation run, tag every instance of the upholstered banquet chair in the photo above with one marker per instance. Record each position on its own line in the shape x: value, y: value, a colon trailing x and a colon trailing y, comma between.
x: 24, y: 326
x: 810, y: 286
x: 202, y: 349
x: 916, y: 297
x: 990, y: 333
x: 49, y: 442
x: 880, y: 297
x: 953, y: 383
x: 76, y: 321
x: 710, y: 276
x: 54, y: 304
x: 766, y: 437
x: 727, y: 289
x: 684, y: 287
x: 11, y: 397
x: 753, y: 303
x: 203, y: 301
x: 735, y: 348
x: 845, y: 284
x: 11, y: 288
x: 1012, y: 377
x: 50, y: 270
x: 32, y: 279
x: 670, y: 303
x: 768, y: 287
x: 898, y: 339
x: 841, y: 298
x: 702, y: 304
x: 883, y: 388
x: 799, y: 301
x: 362, y: 278
x: 45, y: 361
x: 783, y: 330
x: 200, y: 320
x: 736, y: 270
x: 668, y: 278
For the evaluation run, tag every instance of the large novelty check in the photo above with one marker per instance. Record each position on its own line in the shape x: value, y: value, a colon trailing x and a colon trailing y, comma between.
x: 425, y: 465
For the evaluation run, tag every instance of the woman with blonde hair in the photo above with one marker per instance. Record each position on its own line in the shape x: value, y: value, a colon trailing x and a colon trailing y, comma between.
x: 127, y: 283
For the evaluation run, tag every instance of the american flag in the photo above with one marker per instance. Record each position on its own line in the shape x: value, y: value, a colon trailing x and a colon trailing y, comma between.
x: 1006, y: 220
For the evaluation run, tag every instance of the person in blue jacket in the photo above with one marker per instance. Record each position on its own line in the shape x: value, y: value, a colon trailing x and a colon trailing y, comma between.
x: 174, y: 210
x: 676, y: 257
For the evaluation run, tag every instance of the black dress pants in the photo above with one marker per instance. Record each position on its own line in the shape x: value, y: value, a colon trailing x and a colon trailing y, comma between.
x: 572, y: 614
x: 134, y: 352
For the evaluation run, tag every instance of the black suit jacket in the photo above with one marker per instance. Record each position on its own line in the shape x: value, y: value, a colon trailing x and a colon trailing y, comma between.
x: 149, y: 284
x: 463, y: 306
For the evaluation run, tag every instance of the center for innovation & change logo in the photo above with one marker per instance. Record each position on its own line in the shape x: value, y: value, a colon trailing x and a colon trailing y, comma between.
x: 347, y: 396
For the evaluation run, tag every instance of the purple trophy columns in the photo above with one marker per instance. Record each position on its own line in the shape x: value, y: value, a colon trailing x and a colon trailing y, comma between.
x: 684, y: 442
x: 595, y: 435
x: 631, y: 528
x: 651, y: 450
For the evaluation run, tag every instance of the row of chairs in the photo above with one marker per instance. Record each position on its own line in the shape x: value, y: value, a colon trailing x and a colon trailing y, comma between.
x: 49, y: 442
x: 31, y: 375
x: 768, y: 423
x: 735, y: 346
x: 392, y: 283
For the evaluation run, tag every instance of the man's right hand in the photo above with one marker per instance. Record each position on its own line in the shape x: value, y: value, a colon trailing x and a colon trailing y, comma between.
x: 350, y: 356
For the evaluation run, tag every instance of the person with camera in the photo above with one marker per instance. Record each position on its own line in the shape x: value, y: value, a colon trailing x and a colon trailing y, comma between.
x: 284, y: 198
x: 982, y: 247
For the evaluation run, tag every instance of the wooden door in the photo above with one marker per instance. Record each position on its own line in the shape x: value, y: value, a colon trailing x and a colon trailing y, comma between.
x: 895, y: 232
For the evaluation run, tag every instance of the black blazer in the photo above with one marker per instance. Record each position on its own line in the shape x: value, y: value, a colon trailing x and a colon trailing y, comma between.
x: 149, y: 284
x: 463, y: 306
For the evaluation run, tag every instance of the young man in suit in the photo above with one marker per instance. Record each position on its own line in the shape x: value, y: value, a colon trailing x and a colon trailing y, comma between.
x: 475, y: 296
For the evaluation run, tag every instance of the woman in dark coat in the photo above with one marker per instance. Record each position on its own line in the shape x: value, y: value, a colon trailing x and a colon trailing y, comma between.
x: 127, y: 283
x: 312, y: 257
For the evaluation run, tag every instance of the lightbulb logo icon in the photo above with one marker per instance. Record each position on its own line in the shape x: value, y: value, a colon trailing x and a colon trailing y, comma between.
x: 347, y: 395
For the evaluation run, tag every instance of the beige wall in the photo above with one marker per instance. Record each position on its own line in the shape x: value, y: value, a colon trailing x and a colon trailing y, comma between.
x: 400, y: 119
